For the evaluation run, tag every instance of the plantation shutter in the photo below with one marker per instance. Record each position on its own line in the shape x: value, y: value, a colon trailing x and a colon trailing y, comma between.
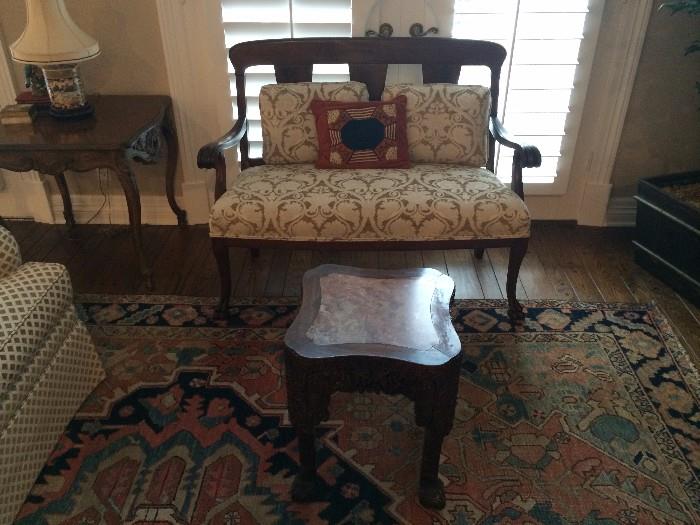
x: 550, y: 46
x: 261, y: 19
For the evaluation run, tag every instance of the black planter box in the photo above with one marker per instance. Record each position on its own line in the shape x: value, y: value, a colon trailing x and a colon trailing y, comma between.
x: 667, y: 238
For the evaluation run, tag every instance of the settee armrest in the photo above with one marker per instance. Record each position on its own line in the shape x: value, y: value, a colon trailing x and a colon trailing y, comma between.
x: 10, y: 257
x: 212, y: 155
x: 524, y: 156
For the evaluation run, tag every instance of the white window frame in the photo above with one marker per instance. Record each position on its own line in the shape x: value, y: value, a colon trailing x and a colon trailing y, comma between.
x: 589, y: 180
x: 586, y: 53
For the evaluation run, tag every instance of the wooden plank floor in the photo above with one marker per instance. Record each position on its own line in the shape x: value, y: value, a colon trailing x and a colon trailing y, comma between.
x: 563, y: 262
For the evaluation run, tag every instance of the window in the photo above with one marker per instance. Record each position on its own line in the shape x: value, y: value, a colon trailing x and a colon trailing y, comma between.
x: 550, y: 46
x: 259, y: 19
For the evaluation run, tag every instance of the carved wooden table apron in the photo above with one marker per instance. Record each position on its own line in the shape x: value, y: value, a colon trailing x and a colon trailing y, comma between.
x: 123, y: 128
x: 380, y: 331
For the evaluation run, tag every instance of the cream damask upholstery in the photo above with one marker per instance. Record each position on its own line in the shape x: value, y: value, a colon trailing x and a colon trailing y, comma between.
x: 422, y: 203
x: 48, y: 365
x: 288, y: 125
x: 447, y: 123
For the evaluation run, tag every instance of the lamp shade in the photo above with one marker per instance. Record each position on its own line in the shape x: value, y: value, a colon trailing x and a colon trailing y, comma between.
x: 51, y: 36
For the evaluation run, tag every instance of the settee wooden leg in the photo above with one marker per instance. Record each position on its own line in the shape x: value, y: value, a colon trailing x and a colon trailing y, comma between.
x: 517, y: 253
x: 222, y: 262
x: 479, y: 253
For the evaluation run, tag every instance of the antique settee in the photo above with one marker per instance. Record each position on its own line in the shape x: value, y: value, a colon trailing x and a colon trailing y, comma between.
x: 48, y: 366
x: 434, y: 204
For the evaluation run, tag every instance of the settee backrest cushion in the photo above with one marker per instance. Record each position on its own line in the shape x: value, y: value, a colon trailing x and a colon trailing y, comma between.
x: 288, y: 126
x: 447, y: 123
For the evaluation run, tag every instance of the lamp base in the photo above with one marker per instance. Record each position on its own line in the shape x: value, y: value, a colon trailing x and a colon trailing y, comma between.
x: 65, y: 87
x: 73, y: 113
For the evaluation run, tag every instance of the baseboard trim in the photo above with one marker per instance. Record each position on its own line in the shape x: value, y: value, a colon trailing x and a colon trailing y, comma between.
x: 622, y: 211
x: 154, y: 209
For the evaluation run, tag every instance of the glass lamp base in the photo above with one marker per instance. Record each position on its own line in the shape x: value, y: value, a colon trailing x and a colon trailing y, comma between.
x: 65, y: 87
x: 72, y: 113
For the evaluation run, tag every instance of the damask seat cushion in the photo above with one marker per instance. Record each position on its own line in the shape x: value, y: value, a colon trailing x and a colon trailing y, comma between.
x: 424, y: 202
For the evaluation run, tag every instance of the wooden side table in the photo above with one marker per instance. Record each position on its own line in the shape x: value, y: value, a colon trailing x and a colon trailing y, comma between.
x: 373, y: 330
x: 123, y: 128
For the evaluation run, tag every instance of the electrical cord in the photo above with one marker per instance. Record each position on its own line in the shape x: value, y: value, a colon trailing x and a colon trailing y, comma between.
x: 104, y: 200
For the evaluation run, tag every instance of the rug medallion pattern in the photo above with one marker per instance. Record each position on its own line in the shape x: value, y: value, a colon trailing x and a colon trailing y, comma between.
x: 586, y: 414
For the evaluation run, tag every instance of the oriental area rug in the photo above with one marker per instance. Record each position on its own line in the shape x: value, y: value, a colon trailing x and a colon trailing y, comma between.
x: 586, y: 414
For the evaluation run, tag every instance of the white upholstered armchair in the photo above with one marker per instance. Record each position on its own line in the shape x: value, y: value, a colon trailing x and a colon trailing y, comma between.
x: 48, y: 365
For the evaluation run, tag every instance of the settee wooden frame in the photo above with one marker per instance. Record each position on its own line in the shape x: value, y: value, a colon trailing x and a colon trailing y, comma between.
x: 441, y: 60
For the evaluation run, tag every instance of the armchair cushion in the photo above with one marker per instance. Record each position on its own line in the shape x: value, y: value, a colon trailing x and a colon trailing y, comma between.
x: 447, y: 123
x: 288, y: 127
x: 422, y: 203
x: 48, y: 365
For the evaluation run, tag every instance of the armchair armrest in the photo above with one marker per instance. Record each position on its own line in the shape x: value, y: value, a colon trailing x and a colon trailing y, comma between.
x: 525, y: 155
x: 10, y: 258
x: 211, y: 155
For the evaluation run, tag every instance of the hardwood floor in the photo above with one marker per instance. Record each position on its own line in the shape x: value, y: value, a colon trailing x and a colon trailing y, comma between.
x: 563, y: 262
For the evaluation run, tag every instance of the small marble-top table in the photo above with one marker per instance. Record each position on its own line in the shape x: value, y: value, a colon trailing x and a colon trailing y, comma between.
x: 373, y: 330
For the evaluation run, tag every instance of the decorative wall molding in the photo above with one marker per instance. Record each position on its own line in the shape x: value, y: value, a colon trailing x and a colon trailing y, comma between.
x: 196, y: 61
x: 622, y: 211
x: 616, y: 79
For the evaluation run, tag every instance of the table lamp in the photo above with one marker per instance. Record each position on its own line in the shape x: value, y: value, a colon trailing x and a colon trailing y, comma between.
x: 52, y: 41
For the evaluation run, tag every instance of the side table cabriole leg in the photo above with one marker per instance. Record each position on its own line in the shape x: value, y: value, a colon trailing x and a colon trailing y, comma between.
x: 67, y: 205
x: 133, y: 203
x: 171, y: 140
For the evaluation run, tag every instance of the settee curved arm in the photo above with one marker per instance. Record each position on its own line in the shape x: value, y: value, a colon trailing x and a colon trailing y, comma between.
x: 208, y: 155
x: 525, y: 155
x: 211, y: 156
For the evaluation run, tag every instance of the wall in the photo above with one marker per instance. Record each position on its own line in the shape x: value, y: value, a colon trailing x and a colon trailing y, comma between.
x: 131, y: 62
x: 661, y: 133
x: 129, y: 36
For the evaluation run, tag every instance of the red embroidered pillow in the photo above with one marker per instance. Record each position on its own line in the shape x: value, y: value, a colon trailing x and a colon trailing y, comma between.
x: 361, y: 134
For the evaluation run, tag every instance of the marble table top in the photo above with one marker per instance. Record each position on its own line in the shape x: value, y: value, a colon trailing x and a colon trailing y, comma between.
x: 401, y: 314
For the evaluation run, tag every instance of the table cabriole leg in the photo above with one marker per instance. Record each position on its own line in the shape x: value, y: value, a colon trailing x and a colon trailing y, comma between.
x: 133, y: 203
x: 431, y: 492
x: 443, y: 403
x: 171, y: 141
x: 305, y: 413
x: 67, y: 204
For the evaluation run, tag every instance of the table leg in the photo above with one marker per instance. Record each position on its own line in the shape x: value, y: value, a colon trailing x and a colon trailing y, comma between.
x: 67, y: 205
x: 133, y: 203
x: 171, y: 139
x: 431, y: 492
x: 435, y: 410
x: 304, y: 486
x: 306, y: 410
